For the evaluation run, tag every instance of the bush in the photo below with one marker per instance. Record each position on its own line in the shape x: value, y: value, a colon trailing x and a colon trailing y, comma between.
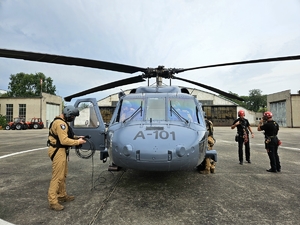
x: 3, y: 121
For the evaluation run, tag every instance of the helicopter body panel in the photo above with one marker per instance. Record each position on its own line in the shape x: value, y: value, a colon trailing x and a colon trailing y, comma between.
x: 161, y: 132
x: 160, y: 147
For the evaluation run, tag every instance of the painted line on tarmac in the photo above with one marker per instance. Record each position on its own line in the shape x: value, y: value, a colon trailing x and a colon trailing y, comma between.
x: 18, y: 153
x: 280, y: 147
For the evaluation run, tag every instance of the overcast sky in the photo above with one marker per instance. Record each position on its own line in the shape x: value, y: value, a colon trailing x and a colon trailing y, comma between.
x: 149, y: 33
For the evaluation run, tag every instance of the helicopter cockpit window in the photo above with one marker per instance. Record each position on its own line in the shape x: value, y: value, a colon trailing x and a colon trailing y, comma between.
x: 182, y: 109
x: 131, y: 109
x: 156, y: 109
x: 87, y: 116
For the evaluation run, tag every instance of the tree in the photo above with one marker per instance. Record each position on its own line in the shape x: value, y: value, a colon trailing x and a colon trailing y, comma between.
x: 255, y: 101
x: 30, y: 85
x: 2, y: 121
x: 240, y: 103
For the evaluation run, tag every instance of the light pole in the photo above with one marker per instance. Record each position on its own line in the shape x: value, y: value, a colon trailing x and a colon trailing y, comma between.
x: 41, y: 82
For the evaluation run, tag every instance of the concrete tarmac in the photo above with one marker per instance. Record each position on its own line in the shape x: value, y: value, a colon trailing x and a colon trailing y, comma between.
x: 235, y: 194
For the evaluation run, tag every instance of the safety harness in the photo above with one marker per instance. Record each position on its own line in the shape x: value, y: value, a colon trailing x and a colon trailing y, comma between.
x: 58, y: 144
x: 273, y: 138
x: 244, y: 133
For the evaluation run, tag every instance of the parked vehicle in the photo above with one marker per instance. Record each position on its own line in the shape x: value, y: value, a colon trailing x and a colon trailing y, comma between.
x: 35, y: 123
x: 17, y: 124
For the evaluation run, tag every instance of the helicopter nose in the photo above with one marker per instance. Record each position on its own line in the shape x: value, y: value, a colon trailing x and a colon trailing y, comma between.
x: 180, y: 150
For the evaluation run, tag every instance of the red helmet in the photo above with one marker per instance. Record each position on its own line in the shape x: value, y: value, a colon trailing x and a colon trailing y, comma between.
x: 241, y: 113
x: 268, y: 115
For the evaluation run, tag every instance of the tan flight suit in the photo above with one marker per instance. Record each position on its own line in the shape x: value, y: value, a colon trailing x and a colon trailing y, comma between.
x: 57, y: 186
x: 210, y: 164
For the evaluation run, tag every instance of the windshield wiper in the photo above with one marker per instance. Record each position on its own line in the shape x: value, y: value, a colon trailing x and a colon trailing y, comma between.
x: 135, y: 112
x: 177, y: 114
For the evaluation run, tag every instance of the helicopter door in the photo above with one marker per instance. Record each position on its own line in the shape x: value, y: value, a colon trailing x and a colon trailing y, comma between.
x: 89, y: 122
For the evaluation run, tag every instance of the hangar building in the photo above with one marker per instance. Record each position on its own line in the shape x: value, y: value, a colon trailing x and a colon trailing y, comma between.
x: 221, y: 111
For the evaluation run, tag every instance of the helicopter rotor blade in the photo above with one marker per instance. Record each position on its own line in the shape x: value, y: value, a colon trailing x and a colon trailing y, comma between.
x: 66, y: 60
x: 228, y: 95
x: 276, y: 59
x: 147, y: 72
x: 118, y: 83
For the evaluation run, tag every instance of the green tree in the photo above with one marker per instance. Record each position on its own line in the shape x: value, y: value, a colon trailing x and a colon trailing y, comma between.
x: 29, y: 85
x: 3, y: 121
x: 241, y: 103
x: 255, y: 101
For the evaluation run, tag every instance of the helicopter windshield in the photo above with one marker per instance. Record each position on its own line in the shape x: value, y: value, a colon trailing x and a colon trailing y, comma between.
x: 182, y: 109
x: 131, y: 109
x: 159, y: 109
x: 156, y: 109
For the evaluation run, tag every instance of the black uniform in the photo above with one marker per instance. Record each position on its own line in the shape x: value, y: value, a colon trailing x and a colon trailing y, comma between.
x: 243, y: 138
x: 271, y: 143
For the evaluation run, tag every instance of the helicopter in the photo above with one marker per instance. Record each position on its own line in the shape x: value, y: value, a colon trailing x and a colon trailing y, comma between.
x: 153, y: 128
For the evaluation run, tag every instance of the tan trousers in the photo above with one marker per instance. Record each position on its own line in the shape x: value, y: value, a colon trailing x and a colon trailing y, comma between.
x: 57, y: 186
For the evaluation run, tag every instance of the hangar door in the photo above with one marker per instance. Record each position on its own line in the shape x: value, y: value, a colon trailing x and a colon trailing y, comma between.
x: 279, y: 112
x: 220, y: 115
x: 52, y: 110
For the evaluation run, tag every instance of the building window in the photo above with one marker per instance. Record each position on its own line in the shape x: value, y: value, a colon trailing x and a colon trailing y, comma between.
x: 9, y: 112
x: 206, y: 102
x: 22, y: 111
x: 114, y: 103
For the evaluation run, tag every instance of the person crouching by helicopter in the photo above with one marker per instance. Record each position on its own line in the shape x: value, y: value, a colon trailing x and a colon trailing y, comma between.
x: 208, y: 165
x: 61, y: 137
x: 243, y: 128
x: 271, y: 129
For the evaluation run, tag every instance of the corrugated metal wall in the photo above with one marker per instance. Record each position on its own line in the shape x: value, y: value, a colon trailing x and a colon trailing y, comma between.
x: 221, y: 115
x: 279, y: 111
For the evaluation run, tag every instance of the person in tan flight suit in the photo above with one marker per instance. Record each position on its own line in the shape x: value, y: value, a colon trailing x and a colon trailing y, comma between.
x: 208, y: 165
x: 61, y: 138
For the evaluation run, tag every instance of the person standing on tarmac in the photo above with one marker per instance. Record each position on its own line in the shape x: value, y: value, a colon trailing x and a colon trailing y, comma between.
x: 61, y: 138
x: 271, y: 129
x: 243, y: 128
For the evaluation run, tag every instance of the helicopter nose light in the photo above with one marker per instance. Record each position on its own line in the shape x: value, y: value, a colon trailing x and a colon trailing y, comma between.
x: 180, y: 150
x: 127, y: 149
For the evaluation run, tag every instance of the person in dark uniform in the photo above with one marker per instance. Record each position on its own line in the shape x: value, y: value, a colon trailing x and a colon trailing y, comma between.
x: 243, y: 129
x: 271, y: 129
x: 61, y: 137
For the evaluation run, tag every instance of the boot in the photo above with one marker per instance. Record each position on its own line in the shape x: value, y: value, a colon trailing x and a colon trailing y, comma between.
x: 66, y: 198
x: 56, y: 207
x: 207, y: 167
x: 212, y: 166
